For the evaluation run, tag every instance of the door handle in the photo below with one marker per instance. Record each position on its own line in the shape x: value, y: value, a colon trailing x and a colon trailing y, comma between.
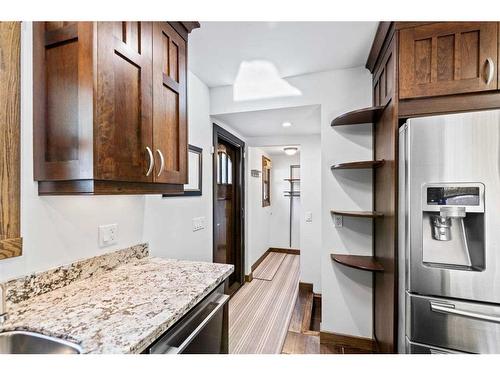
x: 448, y: 308
x: 162, y: 162
x: 151, y: 161
x: 491, y: 70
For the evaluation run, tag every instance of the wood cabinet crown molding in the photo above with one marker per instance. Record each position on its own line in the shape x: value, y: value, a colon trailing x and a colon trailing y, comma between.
x: 110, y: 107
x: 10, y: 144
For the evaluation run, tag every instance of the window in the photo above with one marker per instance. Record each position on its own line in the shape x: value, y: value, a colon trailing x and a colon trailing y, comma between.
x: 266, y: 182
x: 224, y: 166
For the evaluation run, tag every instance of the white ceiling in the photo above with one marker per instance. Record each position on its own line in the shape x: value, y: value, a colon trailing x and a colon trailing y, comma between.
x: 305, y: 120
x: 217, y: 49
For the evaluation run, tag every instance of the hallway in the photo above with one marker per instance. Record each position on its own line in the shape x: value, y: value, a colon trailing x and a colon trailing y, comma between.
x: 260, y: 312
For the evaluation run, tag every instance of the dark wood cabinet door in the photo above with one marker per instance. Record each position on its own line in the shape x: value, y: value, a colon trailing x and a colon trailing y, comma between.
x: 448, y: 58
x: 123, y: 139
x: 62, y: 100
x: 169, y: 105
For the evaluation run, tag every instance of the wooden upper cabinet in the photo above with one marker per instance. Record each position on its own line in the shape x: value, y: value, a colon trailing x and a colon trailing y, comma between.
x: 110, y: 107
x: 169, y: 105
x: 448, y: 58
x: 124, y: 109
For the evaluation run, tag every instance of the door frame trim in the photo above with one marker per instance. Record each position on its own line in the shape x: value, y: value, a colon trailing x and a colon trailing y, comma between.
x: 220, y: 133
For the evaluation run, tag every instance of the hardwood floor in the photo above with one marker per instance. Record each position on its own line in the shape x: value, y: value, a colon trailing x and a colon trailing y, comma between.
x: 300, y: 338
x: 303, y: 335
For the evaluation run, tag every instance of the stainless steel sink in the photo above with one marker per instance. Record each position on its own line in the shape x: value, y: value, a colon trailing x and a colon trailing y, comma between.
x: 23, y: 342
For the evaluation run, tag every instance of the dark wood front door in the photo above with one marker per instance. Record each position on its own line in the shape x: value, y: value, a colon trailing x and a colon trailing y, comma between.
x: 228, y: 205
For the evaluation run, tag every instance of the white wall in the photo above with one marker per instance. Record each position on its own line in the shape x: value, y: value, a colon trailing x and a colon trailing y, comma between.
x: 168, y: 221
x: 347, y: 294
x: 59, y: 230
x: 258, y: 217
x: 280, y: 205
x: 310, y: 201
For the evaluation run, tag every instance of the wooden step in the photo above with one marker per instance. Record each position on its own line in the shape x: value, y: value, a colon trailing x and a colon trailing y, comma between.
x: 307, y: 316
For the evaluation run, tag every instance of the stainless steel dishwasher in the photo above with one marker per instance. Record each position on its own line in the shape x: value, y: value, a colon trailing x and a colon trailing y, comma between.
x: 203, y: 330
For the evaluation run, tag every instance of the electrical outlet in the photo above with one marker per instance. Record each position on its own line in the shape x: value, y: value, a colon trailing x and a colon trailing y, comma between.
x: 337, y: 221
x: 198, y: 223
x: 108, y: 235
x: 309, y: 217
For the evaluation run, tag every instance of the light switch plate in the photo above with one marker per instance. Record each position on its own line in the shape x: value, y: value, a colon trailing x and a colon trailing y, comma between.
x: 108, y: 235
x: 309, y: 217
x: 198, y: 223
x: 338, y: 221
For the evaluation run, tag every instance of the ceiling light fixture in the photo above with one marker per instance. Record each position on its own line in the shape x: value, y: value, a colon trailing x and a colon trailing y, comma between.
x: 290, y: 150
x: 286, y: 124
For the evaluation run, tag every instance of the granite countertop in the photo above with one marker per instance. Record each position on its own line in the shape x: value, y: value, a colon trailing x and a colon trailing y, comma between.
x: 122, y: 310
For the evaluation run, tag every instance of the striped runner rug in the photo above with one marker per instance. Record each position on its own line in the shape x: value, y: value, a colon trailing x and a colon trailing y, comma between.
x: 260, y: 312
x: 269, y: 266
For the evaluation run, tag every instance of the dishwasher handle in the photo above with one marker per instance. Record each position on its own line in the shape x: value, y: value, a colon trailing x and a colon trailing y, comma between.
x: 167, y: 349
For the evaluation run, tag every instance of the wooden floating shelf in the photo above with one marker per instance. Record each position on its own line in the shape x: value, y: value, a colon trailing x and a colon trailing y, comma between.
x: 368, y: 214
x: 359, y: 116
x: 360, y: 262
x: 359, y: 164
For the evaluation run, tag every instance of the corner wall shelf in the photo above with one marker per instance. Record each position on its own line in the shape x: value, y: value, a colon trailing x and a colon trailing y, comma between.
x: 367, y: 214
x: 361, y: 262
x: 367, y: 164
x: 359, y: 116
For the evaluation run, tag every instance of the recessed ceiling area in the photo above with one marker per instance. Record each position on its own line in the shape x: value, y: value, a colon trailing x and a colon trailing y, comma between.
x: 305, y: 120
x: 218, y: 49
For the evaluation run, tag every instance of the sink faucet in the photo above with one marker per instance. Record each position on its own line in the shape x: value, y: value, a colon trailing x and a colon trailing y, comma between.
x: 3, y: 312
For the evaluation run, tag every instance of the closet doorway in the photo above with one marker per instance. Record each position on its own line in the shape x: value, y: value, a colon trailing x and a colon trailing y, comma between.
x: 228, y: 207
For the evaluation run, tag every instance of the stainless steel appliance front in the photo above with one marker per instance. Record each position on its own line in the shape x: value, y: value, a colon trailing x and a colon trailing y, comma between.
x: 445, y: 151
x: 449, y: 233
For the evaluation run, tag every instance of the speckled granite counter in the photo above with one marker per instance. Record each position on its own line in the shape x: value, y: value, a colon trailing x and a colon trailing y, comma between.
x: 120, y: 309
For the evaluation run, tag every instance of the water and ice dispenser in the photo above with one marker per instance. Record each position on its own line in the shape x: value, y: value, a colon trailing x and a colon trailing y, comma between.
x: 453, y: 226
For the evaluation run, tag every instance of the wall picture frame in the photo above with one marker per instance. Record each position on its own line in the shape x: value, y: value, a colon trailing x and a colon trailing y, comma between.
x: 195, y: 174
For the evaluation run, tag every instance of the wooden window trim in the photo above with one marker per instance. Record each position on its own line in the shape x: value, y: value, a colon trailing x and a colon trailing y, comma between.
x: 266, y: 165
x: 10, y: 145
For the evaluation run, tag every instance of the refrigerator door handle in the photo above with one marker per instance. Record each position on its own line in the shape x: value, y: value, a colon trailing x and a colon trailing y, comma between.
x: 447, y: 308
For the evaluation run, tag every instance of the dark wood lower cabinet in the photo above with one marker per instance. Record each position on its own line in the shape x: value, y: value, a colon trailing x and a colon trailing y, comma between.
x: 94, y: 88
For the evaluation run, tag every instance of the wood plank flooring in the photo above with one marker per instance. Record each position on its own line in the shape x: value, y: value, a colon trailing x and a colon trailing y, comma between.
x: 300, y: 338
x: 260, y: 312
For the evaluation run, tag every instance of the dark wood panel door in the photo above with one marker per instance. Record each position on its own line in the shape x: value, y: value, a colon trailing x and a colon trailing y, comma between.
x: 448, y: 58
x: 169, y: 105
x: 227, y: 248
x: 124, y: 140
x: 228, y: 185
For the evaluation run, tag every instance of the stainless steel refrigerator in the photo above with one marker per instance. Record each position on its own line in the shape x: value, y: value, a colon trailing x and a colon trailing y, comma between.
x: 449, y: 234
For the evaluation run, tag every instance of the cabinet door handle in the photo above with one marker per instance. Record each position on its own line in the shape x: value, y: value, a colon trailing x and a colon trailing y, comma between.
x: 151, y: 161
x: 491, y: 70
x: 162, y: 162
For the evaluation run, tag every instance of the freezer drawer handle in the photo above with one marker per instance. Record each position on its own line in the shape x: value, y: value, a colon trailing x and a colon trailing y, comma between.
x: 179, y: 349
x: 448, y: 308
